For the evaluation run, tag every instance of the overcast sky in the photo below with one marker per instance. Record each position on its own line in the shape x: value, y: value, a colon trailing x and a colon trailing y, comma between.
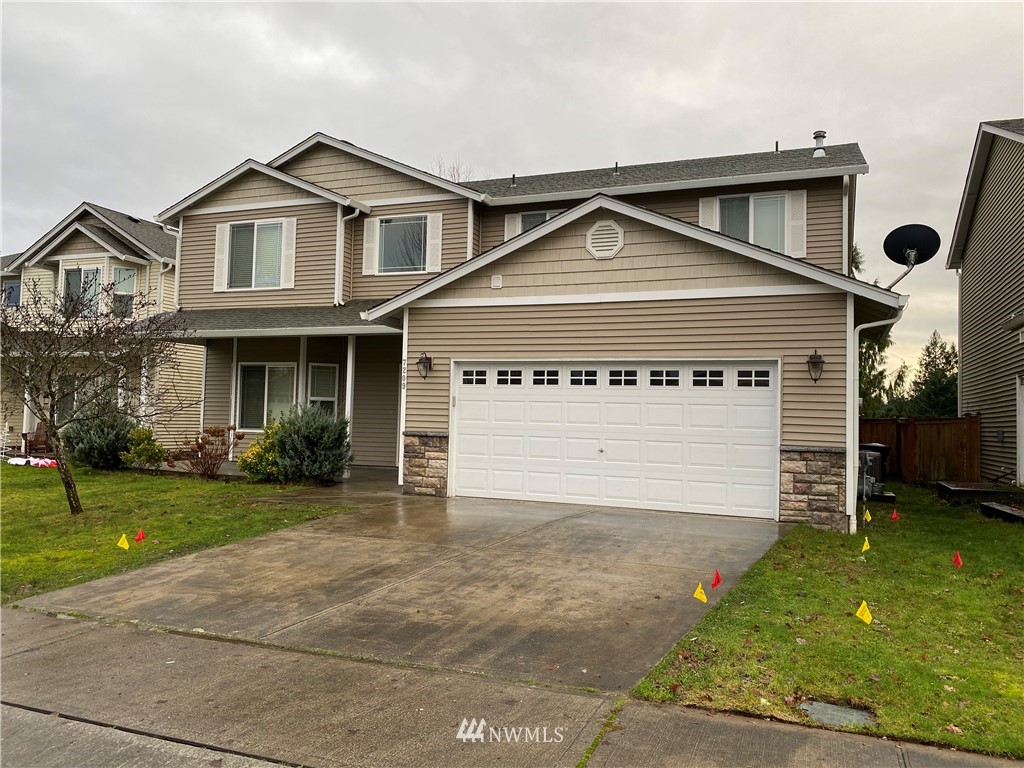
x: 135, y: 105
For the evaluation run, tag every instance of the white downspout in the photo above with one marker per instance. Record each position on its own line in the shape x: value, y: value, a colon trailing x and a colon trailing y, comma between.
x: 847, y: 248
x: 339, y: 266
x: 853, y: 413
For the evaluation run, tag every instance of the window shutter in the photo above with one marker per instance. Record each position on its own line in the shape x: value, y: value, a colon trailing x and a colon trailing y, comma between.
x: 796, y: 218
x: 371, y: 230
x: 709, y: 213
x: 220, y: 258
x: 512, y: 222
x: 288, y: 254
x: 433, y: 242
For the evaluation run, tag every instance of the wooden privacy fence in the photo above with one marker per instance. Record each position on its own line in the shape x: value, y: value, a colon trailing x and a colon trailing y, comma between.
x: 924, y: 450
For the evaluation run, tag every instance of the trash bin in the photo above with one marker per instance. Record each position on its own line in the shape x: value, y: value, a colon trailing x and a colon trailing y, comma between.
x: 883, y: 451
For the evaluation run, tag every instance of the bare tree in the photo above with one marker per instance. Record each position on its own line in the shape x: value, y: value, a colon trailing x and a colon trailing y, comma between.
x: 76, y: 358
x: 454, y: 170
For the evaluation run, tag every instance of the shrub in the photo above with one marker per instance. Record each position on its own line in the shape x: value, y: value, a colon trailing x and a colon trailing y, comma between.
x: 259, y: 463
x: 98, y: 442
x: 144, y: 452
x: 204, y: 452
x: 312, y: 445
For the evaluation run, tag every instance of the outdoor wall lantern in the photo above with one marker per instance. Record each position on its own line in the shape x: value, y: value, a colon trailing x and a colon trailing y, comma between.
x: 425, y: 364
x: 815, y: 366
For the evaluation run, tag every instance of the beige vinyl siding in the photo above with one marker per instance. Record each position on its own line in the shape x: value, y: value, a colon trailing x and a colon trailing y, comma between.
x: 768, y: 327
x: 454, y: 223
x: 478, y: 216
x: 315, y: 254
x: 167, y: 278
x: 39, y: 278
x: 353, y: 176
x: 348, y: 267
x: 12, y: 412
x: 824, y: 213
x: 217, y: 395
x: 76, y: 245
x: 252, y: 188
x: 181, y: 394
x: 652, y: 259
x: 991, y: 287
x: 375, y: 401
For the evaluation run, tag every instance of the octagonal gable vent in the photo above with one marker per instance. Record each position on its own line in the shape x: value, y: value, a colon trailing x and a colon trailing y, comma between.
x: 604, y: 239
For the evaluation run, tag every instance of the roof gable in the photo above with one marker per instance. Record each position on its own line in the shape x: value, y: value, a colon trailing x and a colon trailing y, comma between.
x: 146, y: 238
x: 797, y: 267
x: 1013, y: 130
x: 387, y: 162
x: 105, y: 240
x: 255, y: 165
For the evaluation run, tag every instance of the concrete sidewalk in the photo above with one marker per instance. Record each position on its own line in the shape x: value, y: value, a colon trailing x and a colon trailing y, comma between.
x: 235, y: 704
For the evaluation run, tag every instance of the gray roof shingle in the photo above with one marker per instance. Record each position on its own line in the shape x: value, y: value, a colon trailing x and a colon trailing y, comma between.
x: 604, y: 179
x: 203, y: 322
x: 146, y: 232
x: 1015, y: 125
x: 6, y: 261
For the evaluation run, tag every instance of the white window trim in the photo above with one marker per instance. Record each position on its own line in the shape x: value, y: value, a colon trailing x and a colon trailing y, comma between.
x: 115, y: 293
x: 266, y: 384
x: 309, y: 378
x: 222, y: 255
x: 514, y: 221
x: 426, y: 236
x: 62, y: 278
x: 784, y: 194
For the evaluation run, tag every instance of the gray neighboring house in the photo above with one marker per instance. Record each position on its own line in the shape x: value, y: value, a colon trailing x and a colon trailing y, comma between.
x: 988, y: 251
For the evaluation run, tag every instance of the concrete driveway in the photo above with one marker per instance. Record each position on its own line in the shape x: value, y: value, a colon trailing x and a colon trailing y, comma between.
x: 586, y: 597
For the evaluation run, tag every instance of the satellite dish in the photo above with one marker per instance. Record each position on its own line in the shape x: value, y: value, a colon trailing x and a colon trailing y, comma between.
x: 910, y: 245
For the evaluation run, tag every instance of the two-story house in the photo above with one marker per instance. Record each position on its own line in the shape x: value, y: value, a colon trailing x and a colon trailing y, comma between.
x: 988, y: 251
x: 678, y: 336
x: 94, y: 246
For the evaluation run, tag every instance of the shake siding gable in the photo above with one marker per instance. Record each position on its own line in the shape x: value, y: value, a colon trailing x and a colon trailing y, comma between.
x: 824, y: 214
x: 315, y: 253
x: 253, y: 188
x: 991, y: 287
x: 652, y: 259
x: 454, y: 231
x: 355, y: 177
x: 76, y: 245
x: 790, y: 327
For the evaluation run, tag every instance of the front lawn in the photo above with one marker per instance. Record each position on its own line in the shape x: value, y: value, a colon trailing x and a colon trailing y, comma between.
x: 942, y: 662
x: 45, y: 547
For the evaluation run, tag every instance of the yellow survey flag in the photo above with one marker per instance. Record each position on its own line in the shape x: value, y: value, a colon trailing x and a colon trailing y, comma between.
x: 863, y: 613
x: 866, y: 546
x: 699, y: 593
x: 867, y: 515
x: 123, y: 543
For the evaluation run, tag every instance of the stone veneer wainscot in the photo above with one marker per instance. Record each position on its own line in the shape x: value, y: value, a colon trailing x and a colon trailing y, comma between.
x: 426, y: 464
x: 812, y: 487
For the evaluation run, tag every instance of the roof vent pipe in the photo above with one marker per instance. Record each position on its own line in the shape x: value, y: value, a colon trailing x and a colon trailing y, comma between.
x: 819, y: 144
x: 777, y: 148
x: 616, y: 168
x: 513, y: 184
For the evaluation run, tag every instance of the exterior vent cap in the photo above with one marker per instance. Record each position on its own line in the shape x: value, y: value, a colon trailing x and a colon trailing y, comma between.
x: 604, y: 239
x: 495, y: 281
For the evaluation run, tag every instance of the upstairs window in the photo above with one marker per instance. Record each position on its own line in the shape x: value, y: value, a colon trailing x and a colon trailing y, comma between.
x: 403, y: 244
x: 81, y: 289
x: 776, y: 220
x: 517, y: 223
x: 255, y: 255
x: 12, y: 293
x: 123, y: 299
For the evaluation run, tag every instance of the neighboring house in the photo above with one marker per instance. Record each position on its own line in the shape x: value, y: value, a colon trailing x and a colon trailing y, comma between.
x: 94, y: 246
x: 636, y: 336
x: 988, y: 252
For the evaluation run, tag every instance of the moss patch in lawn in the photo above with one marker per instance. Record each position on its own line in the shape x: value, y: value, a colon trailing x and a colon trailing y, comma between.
x: 942, y: 662
x: 45, y: 547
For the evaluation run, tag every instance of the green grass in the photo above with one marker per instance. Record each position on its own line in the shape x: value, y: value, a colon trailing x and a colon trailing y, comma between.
x: 942, y: 662
x: 45, y: 547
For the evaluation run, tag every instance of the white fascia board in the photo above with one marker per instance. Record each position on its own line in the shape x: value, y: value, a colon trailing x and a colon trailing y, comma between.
x: 257, y: 206
x: 786, y: 263
x: 31, y: 250
x: 798, y: 289
x: 669, y: 186
x: 78, y: 228
x: 337, y: 330
x: 387, y: 162
x: 975, y: 175
x: 254, y: 165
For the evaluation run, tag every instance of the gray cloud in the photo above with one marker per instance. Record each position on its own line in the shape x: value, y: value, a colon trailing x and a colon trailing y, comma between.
x: 135, y: 105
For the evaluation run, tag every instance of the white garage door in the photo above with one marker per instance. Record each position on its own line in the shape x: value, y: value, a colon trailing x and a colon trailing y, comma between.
x: 694, y: 437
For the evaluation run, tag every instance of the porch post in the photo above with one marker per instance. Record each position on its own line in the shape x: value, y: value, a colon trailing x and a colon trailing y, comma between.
x: 350, y: 385
x: 302, y: 371
x: 402, y: 398
x: 234, y: 391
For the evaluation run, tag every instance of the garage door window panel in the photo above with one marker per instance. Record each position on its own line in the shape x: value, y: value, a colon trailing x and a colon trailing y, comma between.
x: 546, y: 377
x: 622, y: 377
x: 760, y: 378
x: 664, y: 377
x: 583, y: 377
x: 509, y: 377
x: 703, y: 378
x: 475, y: 376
